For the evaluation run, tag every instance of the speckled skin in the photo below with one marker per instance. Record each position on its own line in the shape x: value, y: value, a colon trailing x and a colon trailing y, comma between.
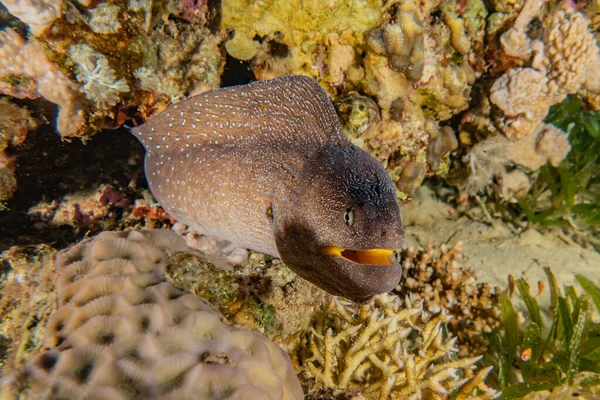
x: 267, y: 167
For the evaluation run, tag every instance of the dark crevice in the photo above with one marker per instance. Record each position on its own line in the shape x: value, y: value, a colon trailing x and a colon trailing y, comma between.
x: 48, y: 168
x: 237, y: 72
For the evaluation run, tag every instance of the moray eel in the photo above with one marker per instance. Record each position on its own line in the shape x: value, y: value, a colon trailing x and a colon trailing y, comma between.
x: 267, y: 167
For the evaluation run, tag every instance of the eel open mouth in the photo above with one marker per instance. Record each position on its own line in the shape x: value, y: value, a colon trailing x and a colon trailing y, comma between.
x: 369, y: 256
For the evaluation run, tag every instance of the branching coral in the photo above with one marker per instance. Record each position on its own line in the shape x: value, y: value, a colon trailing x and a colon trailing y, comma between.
x: 380, y: 350
x: 122, y: 332
x: 443, y: 286
x: 19, y: 58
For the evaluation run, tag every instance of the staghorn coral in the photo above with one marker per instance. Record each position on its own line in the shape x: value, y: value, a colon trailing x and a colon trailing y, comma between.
x: 121, y: 331
x: 445, y: 287
x: 19, y: 58
x: 563, y: 61
x: 380, y: 351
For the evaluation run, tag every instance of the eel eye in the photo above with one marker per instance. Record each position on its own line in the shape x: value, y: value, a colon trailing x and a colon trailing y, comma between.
x: 349, y: 217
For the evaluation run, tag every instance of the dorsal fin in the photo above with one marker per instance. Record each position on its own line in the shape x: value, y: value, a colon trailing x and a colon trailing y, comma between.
x: 290, y: 109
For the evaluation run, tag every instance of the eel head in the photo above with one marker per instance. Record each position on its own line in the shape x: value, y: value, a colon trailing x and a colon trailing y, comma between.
x: 339, y: 224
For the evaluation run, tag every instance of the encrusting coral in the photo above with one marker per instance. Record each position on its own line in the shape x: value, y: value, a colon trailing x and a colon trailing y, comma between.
x: 122, y: 332
x: 383, y: 351
x: 444, y: 286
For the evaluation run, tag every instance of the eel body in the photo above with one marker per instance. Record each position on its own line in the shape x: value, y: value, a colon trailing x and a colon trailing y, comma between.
x: 267, y: 167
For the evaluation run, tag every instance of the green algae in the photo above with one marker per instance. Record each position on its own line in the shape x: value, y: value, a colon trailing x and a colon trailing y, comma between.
x: 264, y: 316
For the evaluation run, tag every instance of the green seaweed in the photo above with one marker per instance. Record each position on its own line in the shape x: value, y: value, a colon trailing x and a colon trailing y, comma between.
x: 528, y: 359
x: 569, y: 195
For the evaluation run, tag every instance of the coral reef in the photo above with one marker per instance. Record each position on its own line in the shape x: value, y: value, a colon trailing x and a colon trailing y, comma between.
x: 380, y: 351
x: 83, y: 209
x: 444, y: 287
x: 491, y: 158
x: 124, y: 55
x: 396, y: 60
x: 563, y: 61
x: 122, y: 331
x: 15, y: 123
x: 27, y: 299
x: 24, y: 63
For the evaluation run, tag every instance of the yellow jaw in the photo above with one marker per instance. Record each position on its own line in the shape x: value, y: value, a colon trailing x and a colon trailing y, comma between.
x: 370, y: 256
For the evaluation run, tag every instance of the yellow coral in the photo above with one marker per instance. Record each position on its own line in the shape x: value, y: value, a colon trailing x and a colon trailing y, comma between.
x: 369, y: 348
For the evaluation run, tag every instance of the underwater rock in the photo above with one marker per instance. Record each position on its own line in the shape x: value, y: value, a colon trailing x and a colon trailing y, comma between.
x: 122, y: 331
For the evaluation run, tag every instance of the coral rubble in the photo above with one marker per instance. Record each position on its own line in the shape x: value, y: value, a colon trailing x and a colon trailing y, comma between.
x: 121, y: 331
x: 381, y: 351
x: 445, y: 287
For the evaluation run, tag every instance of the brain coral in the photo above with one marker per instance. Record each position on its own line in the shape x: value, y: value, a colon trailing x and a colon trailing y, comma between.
x: 122, y: 331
